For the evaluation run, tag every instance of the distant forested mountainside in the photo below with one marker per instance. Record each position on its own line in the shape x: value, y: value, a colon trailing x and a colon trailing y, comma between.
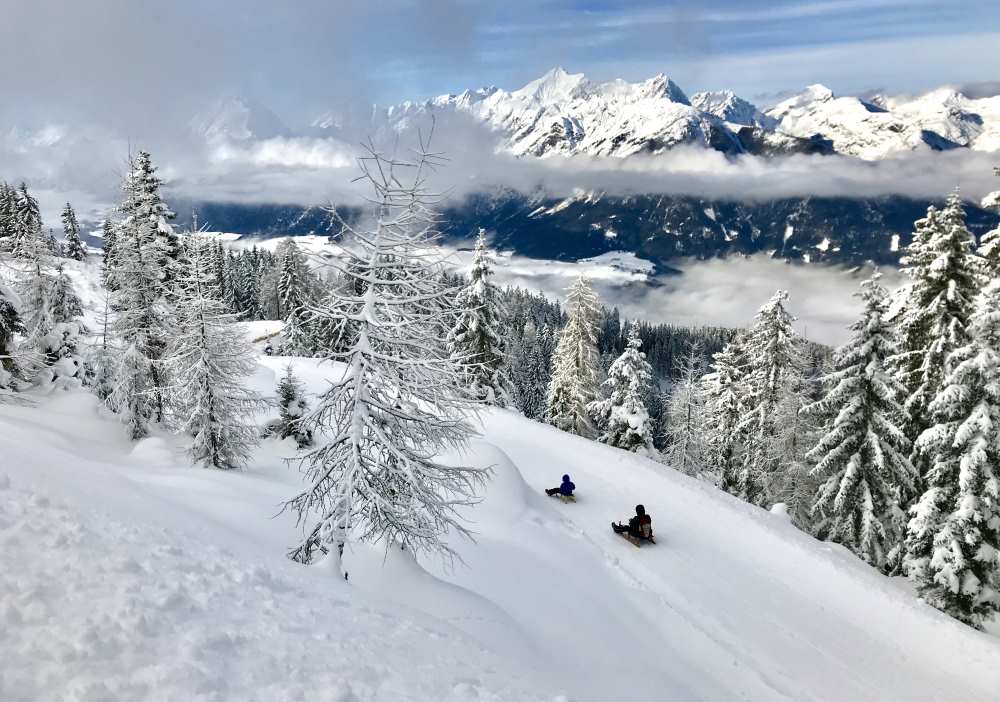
x: 661, y: 228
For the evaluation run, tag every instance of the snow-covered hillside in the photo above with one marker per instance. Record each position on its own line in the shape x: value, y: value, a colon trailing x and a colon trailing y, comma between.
x: 129, y: 574
x: 565, y: 113
x: 882, y: 126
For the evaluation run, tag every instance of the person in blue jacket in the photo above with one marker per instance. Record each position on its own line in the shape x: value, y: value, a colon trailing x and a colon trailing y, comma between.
x: 566, y: 488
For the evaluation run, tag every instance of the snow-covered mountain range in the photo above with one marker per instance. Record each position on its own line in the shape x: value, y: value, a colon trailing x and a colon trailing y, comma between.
x: 567, y: 114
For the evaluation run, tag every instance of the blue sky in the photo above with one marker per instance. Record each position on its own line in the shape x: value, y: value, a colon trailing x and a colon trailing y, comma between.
x: 148, y: 62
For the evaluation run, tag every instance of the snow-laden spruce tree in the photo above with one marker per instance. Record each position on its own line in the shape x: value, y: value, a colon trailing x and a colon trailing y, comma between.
x: 146, y: 203
x: 622, y: 416
x: 75, y: 248
x: 945, y: 276
x: 530, y: 368
x: 477, y: 339
x: 292, y: 407
x: 576, y: 364
x: 144, y: 267
x: 394, y: 401
x: 953, y: 539
x: 8, y: 211
x: 28, y: 240
x: 295, y: 288
x: 774, y: 357
x: 108, y: 263
x: 725, y: 392
x: 208, y: 362
x: 685, y: 447
x: 863, y: 455
x: 10, y: 326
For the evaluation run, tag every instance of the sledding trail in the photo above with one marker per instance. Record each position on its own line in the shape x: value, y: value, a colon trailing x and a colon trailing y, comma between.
x: 738, y: 595
x: 731, y: 603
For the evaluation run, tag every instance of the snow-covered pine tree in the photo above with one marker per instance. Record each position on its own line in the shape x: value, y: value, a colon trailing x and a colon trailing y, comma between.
x: 75, y: 248
x: 8, y: 212
x: 685, y: 447
x: 108, y: 264
x: 945, y: 276
x: 247, y: 288
x: 863, y: 455
x: 28, y: 240
x: 143, y: 322
x: 147, y: 203
x: 774, y: 354
x: 530, y: 365
x: 66, y: 304
x: 622, y: 415
x: 575, y: 364
x: 725, y: 393
x: 295, y: 289
x: 208, y: 362
x: 10, y: 326
x: 953, y: 538
x: 394, y: 401
x: 476, y: 341
x: 292, y: 407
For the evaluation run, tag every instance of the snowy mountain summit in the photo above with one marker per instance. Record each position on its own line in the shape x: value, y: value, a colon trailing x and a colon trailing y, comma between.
x: 564, y: 113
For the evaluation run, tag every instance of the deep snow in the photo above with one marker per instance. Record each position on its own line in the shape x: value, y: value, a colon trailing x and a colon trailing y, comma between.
x: 129, y: 574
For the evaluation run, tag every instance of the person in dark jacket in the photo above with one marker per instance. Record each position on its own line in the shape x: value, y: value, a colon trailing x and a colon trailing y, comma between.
x: 566, y: 489
x: 636, y: 524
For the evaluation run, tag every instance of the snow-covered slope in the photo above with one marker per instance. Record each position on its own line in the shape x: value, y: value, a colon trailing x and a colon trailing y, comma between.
x: 564, y: 113
x: 879, y: 127
x: 129, y: 574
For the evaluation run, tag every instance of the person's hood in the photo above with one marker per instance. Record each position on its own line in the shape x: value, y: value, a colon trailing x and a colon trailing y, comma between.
x: 566, y: 479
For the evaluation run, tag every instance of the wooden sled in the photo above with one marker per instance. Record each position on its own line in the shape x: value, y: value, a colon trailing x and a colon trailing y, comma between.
x: 634, y: 540
x: 564, y: 498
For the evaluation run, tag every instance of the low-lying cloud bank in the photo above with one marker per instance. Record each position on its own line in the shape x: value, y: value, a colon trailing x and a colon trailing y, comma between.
x: 311, y: 169
x: 717, y: 292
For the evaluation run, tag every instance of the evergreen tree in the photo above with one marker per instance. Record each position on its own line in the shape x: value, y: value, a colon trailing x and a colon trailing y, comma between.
x: 143, y: 324
x: 944, y: 277
x: 10, y: 326
x: 75, y: 248
x: 66, y: 304
x: 8, y: 215
x: 294, y: 292
x: 208, y: 361
x: 575, y: 364
x: 622, y: 416
x: 146, y: 203
x: 108, y: 264
x: 395, y: 401
x: 292, y: 407
x: 725, y: 393
x: 862, y: 457
x: 683, y: 423
x: 28, y: 241
x: 774, y: 354
x: 476, y: 340
x: 530, y: 364
x: 953, y: 540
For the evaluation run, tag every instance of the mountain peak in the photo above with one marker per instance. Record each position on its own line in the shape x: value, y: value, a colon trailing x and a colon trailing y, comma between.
x: 728, y: 106
x: 661, y: 86
x: 557, y: 85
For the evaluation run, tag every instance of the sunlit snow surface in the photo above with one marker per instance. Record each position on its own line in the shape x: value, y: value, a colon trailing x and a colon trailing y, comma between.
x: 128, y: 574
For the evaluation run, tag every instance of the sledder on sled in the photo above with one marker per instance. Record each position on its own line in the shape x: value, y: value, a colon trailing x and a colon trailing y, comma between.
x: 638, y: 529
x: 564, y: 492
